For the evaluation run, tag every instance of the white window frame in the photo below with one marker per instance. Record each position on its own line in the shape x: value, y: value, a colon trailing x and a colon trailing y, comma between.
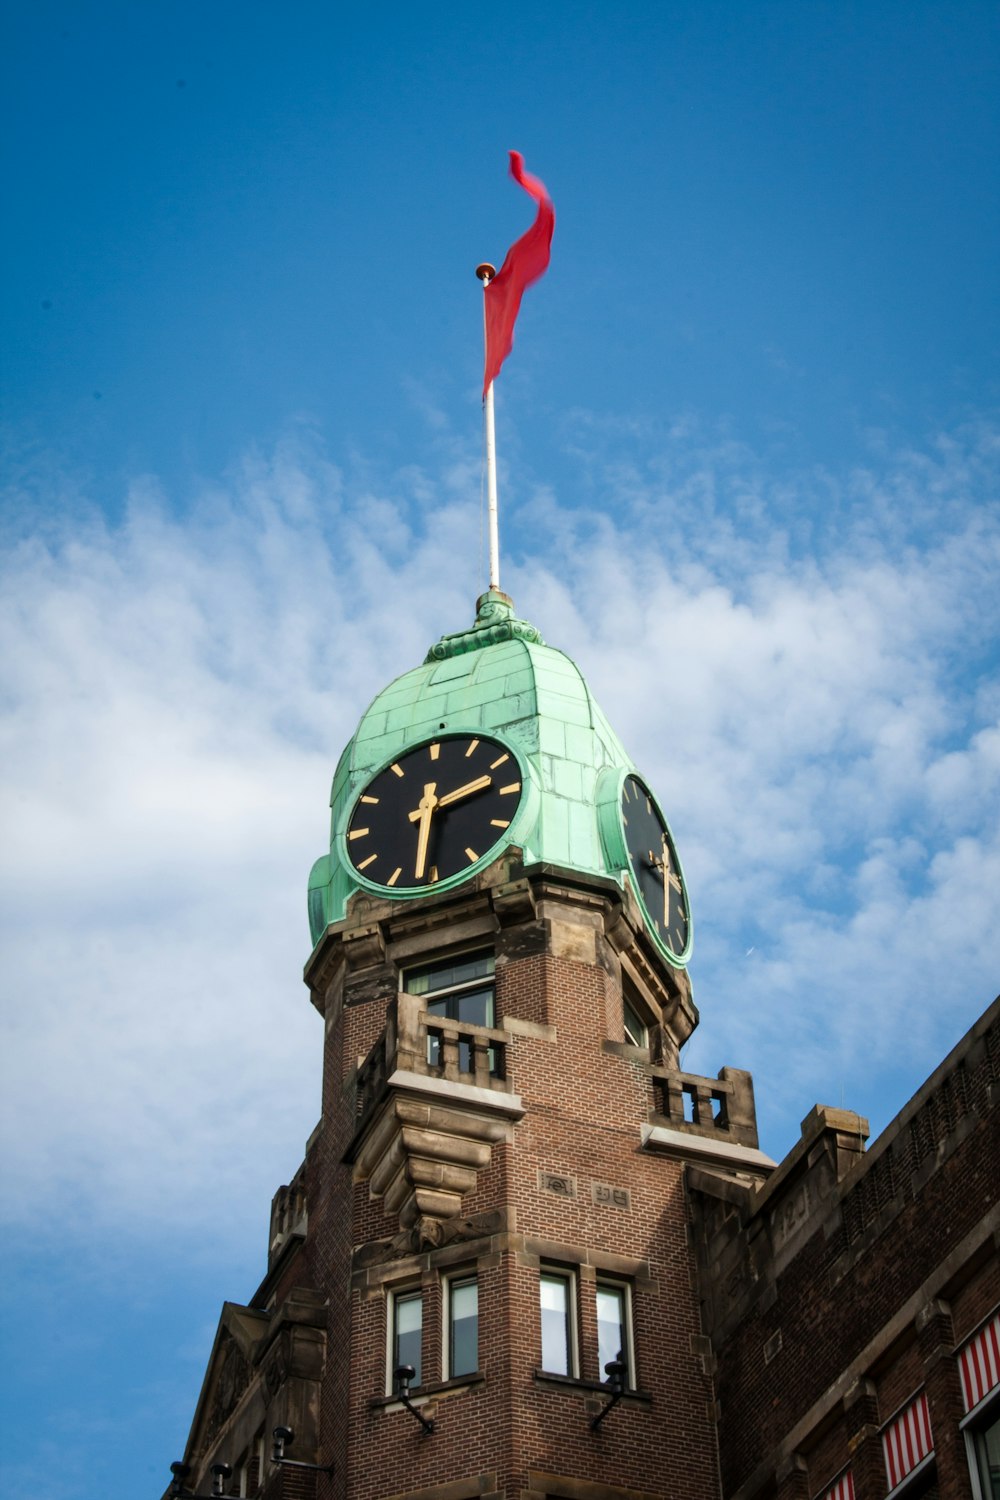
x: 452, y: 1282
x: 568, y: 1276
x: 397, y: 1295
x: 615, y: 1283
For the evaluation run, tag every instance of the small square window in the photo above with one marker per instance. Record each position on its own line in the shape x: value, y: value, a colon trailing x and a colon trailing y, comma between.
x: 614, y: 1327
x: 462, y: 1342
x: 557, y: 1300
x: 406, y: 1341
x: 636, y: 1030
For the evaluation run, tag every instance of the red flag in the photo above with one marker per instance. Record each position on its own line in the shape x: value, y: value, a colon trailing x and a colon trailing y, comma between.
x: 526, y: 260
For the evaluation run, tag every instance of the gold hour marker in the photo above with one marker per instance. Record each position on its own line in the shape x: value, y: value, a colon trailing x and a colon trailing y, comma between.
x: 649, y: 808
x: 397, y: 768
x: 372, y: 800
x: 473, y: 744
x: 498, y: 762
x: 358, y: 833
x: 395, y: 875
x: 435, y: 751
x: 366, y: 862
x: 515, y: 786
x: 473, y: 856
x: 499, y: 822
x: 433, y: 875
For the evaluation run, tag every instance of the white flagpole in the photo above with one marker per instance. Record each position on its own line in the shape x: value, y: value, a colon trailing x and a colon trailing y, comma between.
x: 486, y: 272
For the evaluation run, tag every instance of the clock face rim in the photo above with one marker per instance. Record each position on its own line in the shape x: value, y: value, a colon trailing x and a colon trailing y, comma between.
x: 616, y: 850
x: 459, y: 877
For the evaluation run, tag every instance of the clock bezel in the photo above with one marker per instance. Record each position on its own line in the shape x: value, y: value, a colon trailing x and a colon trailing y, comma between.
x: 616, y: 853
x: 524, y: 817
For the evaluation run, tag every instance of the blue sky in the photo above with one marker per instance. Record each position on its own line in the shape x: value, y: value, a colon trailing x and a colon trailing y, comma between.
x: 748, y: 440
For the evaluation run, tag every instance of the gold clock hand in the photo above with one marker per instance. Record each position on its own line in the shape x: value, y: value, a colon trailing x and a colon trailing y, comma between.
x: 424, y: 811
x: 465, y: 791
x: 666, y: 884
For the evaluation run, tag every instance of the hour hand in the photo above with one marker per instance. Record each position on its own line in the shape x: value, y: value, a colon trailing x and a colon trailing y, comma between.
x: 464, y: 791
x: 423, y: 813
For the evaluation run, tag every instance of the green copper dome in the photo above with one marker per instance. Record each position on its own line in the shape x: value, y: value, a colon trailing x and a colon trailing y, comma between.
x: 501, y: 680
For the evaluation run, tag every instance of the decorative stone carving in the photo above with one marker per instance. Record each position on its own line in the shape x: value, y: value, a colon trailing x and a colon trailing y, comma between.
x: 424, y: 1149
x: 234, y: 1376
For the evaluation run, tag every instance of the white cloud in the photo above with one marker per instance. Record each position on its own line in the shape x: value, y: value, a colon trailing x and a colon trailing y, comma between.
x: 178, y: 688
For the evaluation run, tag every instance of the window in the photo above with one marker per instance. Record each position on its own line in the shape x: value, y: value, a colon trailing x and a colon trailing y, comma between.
x: 556, y: 1298
x: 462, y: 1334
x: 985, y: 1456
x: 614, y: 1327
x: 460, y: 989
x: 636, y: 1030
x: 407, y: 1334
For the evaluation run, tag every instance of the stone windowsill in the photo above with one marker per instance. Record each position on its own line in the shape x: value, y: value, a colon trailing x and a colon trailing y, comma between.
x: 575, y: 1383
x: 419, y: 1394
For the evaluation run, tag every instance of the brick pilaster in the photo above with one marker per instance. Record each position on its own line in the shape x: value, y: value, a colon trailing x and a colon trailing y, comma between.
x: 865, y: 1442
x: 936, y: 1338
x: 791, y: 1480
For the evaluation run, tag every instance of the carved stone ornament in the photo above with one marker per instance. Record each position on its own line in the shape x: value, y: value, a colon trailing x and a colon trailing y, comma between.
x: 234, y: 1377
x: 430, y: 1234
x: 275, y: 1372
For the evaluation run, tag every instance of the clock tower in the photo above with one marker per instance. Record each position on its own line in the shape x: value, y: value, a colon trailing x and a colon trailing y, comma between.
x: 480, y: 1280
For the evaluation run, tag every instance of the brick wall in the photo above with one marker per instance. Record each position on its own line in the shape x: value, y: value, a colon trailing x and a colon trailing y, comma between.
x: 821, y: 1346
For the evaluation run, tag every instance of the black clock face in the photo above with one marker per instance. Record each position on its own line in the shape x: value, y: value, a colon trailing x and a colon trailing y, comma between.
x: 434, y: 812
x: 655, y: 867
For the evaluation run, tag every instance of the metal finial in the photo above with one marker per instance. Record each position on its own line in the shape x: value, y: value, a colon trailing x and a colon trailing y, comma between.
x: 486, y: 272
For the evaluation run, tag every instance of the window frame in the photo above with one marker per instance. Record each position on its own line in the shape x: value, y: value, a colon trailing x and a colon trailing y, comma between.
x: 567, y: 1275
x: 974, y: 1428
x: 446, y: 992
x: 452, y: 1283
x: 643, y: 1025
x: 397, y: 1297
x: 624, y: 1289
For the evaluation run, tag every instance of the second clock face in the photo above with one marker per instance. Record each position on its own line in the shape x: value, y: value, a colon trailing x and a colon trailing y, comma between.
x: 434, y: 812
x: 655, y: 867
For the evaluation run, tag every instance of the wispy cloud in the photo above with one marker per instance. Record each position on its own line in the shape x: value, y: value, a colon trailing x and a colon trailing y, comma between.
x: 815, y: 699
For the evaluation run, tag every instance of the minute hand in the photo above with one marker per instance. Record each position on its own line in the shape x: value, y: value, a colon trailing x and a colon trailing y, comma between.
x: 466, y: 790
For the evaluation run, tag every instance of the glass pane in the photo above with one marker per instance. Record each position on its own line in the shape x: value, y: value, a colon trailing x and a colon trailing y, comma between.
x: 474, y: 1007
x: 409, y: 1323
x: 554, y: 1297
x: 463, y: 1356
x: 610, y: 1325
x: 635, y: 1030
x: 988, y: 1449
x: 445, y: 976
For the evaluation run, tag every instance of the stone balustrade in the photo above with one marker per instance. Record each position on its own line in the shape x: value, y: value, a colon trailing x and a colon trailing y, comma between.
x: 722, y: 1106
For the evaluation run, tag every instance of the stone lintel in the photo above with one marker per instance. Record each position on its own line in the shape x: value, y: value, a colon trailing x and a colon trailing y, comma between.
x: 475, y: 1487
x: 543, y: 1484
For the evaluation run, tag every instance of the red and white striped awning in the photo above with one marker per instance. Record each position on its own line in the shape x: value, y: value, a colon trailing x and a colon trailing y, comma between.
x: 907, y: 1441
x: 979, y: 1364
x: 842, y: 1488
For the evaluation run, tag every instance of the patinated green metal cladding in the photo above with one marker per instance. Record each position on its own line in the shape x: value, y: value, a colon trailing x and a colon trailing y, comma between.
x: 516, y: 689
